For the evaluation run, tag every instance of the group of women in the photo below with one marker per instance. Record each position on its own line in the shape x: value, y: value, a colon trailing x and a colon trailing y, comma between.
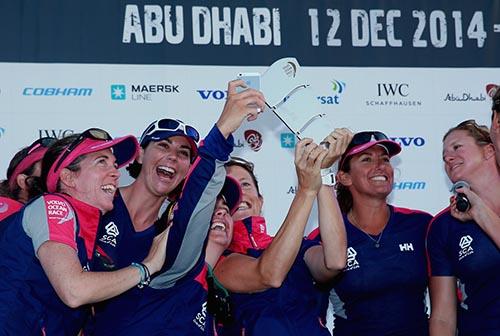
x: 81, y: 254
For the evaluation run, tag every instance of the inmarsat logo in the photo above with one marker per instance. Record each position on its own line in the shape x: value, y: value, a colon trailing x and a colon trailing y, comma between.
x: 338, y: 88
x: 352, y: 263
x: 466, y: 248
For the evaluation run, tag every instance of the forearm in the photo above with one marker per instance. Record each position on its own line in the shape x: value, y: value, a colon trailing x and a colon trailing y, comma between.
x: 441, y: 328
x: 332, y: 229
x: 77, y: 287
x: 276, y: 261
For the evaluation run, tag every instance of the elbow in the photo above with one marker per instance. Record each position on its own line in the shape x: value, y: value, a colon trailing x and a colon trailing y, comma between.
x: 274, y: 282
x: 337, y: 261
x: 71, y: 298
x: 272, y: 278
x: 335, y: 265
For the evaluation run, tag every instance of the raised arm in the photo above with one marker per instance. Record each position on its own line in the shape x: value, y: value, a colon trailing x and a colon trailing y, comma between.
x: 240, y: 273
x: 328, y: 259
x: 185, y: 246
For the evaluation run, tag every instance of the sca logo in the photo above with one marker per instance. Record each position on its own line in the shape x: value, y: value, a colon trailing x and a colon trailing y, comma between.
x: 212, y: 94
x: 333, y: 98
x: 465, y: 247
x: 118, y: 92
x: 287, y: 140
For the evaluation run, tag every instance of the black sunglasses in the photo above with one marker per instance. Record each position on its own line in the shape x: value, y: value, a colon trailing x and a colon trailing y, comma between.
x: 218, y: 300
x: 42, y: 142
x: 360, y: 139
x: 91, y: 133
x: 364, y: 137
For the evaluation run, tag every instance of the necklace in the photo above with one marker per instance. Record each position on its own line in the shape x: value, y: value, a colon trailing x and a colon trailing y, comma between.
x: 376, y: 241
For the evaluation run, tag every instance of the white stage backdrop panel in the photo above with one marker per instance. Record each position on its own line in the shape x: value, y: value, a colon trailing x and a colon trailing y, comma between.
x: 414, y: 106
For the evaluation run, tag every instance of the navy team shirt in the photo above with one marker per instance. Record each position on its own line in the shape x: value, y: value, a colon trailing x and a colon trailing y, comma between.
x: 381, y: 291
x: 290, y: 310
x: 175, y: 301
x: 463, y: 250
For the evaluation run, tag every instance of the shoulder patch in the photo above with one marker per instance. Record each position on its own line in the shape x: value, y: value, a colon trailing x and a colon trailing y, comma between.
x: 58, y: 210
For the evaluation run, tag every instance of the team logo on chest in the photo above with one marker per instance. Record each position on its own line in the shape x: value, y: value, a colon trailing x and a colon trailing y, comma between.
x: 111, y: 234
x: 200, y: 318
x: 406, y: 247
x: 352, y: 263
x: 465, y: 247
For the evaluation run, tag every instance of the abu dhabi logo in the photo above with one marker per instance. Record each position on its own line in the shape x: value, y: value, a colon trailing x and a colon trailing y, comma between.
x: 118, y: 92
x: 287, y: 140
x: 338, y: 88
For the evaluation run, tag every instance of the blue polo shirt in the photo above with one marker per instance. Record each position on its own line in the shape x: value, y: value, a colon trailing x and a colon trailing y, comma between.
x: 291, y: 309
x: 175, y: 301
x: 464, y: 251
x: 382, y: 289
x: 29, y: 305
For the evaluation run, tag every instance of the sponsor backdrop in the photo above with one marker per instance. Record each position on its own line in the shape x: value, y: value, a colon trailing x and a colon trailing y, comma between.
x: 410, y: 70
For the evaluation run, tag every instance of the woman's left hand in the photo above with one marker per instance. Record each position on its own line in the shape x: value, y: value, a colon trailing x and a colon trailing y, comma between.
x: 308, y: 158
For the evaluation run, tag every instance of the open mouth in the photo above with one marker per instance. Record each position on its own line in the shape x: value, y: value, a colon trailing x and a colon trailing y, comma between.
x: 379, y: 178
x: 243, y: 206
x: 218, y: 226
x: 165, y: 171
x: 109, y: 189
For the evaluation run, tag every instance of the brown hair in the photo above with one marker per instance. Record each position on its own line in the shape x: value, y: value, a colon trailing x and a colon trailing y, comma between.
x: 344, y: 196
x: 480, y: 133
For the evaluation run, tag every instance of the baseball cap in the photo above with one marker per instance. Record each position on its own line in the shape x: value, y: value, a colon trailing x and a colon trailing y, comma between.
x: 125, y: 149
x: 364, y: 140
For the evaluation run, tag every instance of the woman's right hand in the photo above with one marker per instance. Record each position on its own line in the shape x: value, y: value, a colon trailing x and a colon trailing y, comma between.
x: 239, y: 106
x: 308, y: 158
x: 157, y: 253
x: 337, y: 141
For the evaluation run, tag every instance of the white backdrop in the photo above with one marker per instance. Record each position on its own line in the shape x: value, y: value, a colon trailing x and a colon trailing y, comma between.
x: 414, y: 105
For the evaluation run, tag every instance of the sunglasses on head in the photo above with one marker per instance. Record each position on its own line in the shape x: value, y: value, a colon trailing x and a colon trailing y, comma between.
x: 171, y: 125
x: 364, y: 137
x: 218, y: 300
x: 42, y: 142
x: 234, y: 160
x: 91, y: 133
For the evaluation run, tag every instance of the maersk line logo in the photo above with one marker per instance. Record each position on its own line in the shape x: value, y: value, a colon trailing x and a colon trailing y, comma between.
x: 118, y: 92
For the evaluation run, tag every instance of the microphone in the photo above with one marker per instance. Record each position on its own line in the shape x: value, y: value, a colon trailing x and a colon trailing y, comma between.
x: 463, y: 203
